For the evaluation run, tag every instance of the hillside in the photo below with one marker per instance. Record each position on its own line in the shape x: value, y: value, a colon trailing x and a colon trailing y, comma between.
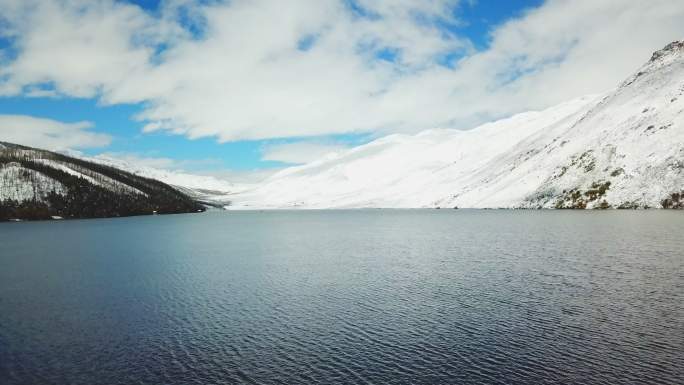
x: 208, y: 190
x: 622, y: 149
x: 38, y: 184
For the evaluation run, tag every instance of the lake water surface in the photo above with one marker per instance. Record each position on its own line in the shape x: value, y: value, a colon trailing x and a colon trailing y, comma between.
x: 354, y: 297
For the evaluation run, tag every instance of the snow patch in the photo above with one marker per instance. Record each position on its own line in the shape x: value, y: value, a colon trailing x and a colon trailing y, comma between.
x: 94, y: 178
x: 19, y: 184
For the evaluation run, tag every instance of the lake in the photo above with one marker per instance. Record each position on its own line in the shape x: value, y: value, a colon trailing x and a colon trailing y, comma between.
x: 345, y: 297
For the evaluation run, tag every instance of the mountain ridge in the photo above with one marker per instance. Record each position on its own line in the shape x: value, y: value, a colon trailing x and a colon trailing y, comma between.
x: 620, y: 149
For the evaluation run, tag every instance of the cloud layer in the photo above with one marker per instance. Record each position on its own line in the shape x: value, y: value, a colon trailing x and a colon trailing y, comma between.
x: 50, y: 134
x: 257, y: 69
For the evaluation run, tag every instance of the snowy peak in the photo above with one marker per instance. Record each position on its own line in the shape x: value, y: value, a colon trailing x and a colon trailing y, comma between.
x: 672, y: 55
x: 672, y: 49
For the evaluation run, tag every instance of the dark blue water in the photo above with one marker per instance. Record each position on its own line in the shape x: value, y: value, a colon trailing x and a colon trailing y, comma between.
x: 357, y: 297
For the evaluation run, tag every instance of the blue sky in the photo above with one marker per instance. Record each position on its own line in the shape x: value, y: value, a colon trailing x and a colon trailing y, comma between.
x: 127, y: 137
x: 254, y: 82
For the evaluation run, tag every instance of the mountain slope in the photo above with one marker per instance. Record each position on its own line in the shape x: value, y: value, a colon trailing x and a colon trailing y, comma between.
x: 38, y: 184
x: 623, y: 149
x: 208, y: 190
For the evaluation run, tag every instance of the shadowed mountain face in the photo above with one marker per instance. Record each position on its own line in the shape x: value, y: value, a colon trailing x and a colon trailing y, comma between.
x: 39, y: 184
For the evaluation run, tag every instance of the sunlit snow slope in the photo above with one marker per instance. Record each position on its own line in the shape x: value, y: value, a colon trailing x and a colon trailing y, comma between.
x: 621, y: 149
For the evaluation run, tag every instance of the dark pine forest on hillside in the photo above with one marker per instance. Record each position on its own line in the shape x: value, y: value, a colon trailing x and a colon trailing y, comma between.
x: 96, y: 191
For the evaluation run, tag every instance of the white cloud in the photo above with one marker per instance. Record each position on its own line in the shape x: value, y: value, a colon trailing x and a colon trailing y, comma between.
x: 84, y: 47
x: 245, y: 78
x: 50, y: 134
x: 299, y: 152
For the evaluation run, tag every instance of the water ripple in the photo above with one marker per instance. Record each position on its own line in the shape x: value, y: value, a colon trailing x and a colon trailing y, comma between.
x: 345, y: 297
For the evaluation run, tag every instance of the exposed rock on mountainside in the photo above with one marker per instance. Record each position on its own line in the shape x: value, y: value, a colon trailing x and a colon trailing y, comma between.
x: 38, y: 184
x: 622, y: 149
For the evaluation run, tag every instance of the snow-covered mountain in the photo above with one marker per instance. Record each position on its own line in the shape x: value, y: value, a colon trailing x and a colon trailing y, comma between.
x: 206, y: 189
x: 622, y: 149
x: 173, y: 178
x: 39, y: 184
